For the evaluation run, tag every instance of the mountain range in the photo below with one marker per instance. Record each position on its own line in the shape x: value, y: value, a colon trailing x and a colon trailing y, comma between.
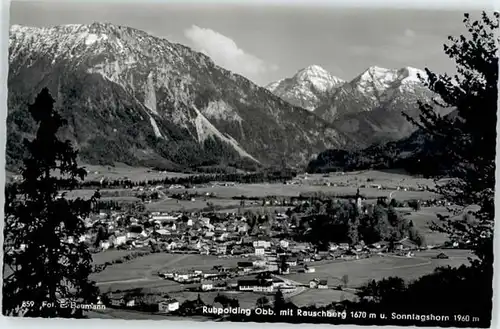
x: 368, y: 108
x: 135, y: 98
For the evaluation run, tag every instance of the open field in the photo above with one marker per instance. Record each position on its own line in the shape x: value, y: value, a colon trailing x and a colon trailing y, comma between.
x: 186, y: 205
x: 110, y: 255
x: 122, y: 171
x: 389, y: 178
x: 118, y: 171
x: 423, y: 218
x: 105, y: 193
x: 277, y: 189
x: 145, y: 268
x: 321, y: 297
x: 112, y: 313
x: 377, y: 267
x: 256, y: 209
x: 313, y: 183
x: 246, y: 299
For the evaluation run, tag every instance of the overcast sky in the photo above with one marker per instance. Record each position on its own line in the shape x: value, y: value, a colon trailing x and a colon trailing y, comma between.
x: 268, y: 42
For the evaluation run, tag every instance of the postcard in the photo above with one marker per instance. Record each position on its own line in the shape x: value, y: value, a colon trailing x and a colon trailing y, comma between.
x: 251, y: 162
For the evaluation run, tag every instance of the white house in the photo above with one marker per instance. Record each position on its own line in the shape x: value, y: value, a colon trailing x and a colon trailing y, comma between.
x: 130, y: 303
x: 259, y: 251
x: 182, y: 276
x: 259, y: 263
x: 323, y: 284
x: 105, y: 245
x: 168, y: 305
x: 264, y: 288
x: 162, y: 232
x: 333, y: 246
x: 121, y: 239
x: 262, y: 243
x: 255, y: 286
x: 223, y: 237
x: 171, y: 245
x: 134, y: 235
x: 221, y: 249
x: 207, y: 285
x: 284, y: 244
x: 205, y: 220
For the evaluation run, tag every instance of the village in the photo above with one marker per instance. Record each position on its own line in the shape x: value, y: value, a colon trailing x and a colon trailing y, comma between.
x: 268, y: 245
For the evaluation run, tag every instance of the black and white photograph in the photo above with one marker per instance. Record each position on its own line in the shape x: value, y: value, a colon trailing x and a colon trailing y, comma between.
x: 295, y: 162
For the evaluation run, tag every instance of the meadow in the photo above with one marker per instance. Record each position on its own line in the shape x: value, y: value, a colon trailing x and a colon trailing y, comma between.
x: 187, y: 205
x: 122, y: 171
x: 277, y: 189
x: 144, y: 269
x: 377, y: 267
x: 245, y: 299
x: 110, y: 255
x: 321, y: 297
x: 422, y: 220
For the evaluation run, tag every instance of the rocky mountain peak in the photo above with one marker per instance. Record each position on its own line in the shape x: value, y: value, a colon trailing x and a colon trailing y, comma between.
x: 307, y: 87
x: 133, y: 97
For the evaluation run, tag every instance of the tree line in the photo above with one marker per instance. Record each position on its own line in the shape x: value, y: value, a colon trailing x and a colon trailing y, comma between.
x: 248, y: 178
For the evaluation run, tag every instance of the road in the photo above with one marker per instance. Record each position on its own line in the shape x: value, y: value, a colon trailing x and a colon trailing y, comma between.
x: 299, y: 286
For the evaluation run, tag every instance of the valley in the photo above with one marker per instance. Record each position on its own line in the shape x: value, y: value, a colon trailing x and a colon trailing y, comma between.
x: 214, y: 179
x: 212, y: 238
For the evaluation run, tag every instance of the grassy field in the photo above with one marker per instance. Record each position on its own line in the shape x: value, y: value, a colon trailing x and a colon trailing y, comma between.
x: 276, y: 189
x: 422, y: 220
x: 246, y: 299
x: 186, y: 205
x: 256, y: 209
x: 122, y: 171
x: 321, y: 297
x: 313, y: 183
x: 377, y: 267
x: 109, y: 255
x: 147, y: 266
x: 389, y: 178
x: 111, y: 313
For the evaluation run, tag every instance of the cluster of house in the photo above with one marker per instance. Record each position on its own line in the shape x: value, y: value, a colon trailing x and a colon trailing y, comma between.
x: 184, y: 233
x: 318, y: 284
x: 265, y: 285
x: 193, y: 275
x: 164, y: 305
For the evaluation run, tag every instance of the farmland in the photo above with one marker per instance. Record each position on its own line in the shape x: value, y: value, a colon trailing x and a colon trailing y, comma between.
x: 145, y: 268
x: 122, y: 171
x: 321, y: 297
x: 187, y: 205
x: 422, y: 220
x: 276, y: 189
x: 377, y: 267
x: 142, y: 272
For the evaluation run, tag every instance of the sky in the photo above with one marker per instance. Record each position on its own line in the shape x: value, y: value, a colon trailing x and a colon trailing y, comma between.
x: 268, y: 41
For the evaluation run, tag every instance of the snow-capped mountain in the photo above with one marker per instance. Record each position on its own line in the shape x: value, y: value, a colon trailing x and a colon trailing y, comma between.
x: 375, y: 88
x: 370, y: 106
x: 307, y: 88
x: 132, y: 97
